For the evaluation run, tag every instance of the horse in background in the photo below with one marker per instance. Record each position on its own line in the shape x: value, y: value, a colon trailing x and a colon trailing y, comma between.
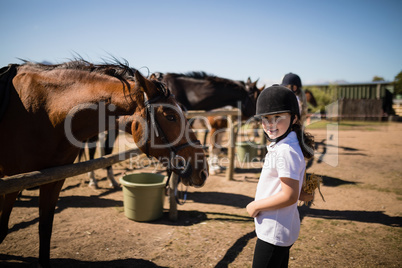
x: 202, y: 91
x: 52, y: 109
x: 106, y: 142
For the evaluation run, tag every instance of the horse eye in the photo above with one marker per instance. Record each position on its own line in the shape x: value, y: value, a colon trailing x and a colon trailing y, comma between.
x: 170, y: 117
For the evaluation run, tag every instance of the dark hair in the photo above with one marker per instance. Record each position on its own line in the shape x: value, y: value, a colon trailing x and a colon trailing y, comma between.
x: 298, y: 90
x: 306, y: 140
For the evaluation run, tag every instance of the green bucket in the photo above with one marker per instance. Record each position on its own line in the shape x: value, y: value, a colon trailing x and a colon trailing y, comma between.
x: 144, y: 195
x: 246, y: 151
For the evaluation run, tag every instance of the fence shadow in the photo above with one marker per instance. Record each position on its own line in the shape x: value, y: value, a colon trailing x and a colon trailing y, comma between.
x: 11, y: 261
x: 192, y: 217
x: 219, y: 198
x: 63, y: 203
x: 322, y: 148
x: 351, y: 215
x: 333, y: 182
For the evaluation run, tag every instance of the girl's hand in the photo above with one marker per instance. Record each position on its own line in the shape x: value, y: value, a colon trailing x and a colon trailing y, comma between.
x: 251, y: 209
x: 305, y: 196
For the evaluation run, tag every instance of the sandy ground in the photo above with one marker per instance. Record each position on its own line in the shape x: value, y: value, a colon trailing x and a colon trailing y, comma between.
x: 358, y: 225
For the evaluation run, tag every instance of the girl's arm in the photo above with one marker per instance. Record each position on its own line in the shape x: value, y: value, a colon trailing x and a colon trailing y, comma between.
x: 286, y: 197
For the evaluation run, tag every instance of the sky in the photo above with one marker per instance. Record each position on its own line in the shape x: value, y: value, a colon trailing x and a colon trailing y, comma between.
x: 320, y: 40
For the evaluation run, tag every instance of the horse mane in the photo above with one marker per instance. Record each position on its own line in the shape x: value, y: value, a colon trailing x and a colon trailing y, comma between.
x: 198, y: 75
x: 213, y: 79
x: 118, y: 69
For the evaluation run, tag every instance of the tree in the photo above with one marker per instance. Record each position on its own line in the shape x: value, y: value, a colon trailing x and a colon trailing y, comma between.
x: 378, y: 78
x: 398, y: 83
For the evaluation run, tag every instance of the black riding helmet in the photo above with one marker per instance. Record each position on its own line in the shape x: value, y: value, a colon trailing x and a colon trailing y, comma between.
x: 277, y: 99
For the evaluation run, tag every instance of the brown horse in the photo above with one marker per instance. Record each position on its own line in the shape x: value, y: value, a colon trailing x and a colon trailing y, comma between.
x: 52, y: 109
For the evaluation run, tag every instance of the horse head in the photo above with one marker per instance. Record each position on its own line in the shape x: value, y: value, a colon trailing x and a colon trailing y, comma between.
x: 253, y: 90
x: 164, y: 132
x: 249, y: 105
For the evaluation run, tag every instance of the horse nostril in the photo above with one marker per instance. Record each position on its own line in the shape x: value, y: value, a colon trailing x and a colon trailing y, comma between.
x: 179, y: 162
x: 204, y: 174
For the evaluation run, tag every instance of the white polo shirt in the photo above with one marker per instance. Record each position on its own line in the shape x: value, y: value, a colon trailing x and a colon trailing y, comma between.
x: 285, y: 159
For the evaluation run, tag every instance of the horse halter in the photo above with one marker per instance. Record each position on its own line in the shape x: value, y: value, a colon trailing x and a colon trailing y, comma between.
x: 183, y: 171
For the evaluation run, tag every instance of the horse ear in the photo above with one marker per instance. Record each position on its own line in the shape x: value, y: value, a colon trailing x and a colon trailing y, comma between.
x: 156, y: 76
x: 249, y: 80
x: 143, y: 84
x: 153, y: 76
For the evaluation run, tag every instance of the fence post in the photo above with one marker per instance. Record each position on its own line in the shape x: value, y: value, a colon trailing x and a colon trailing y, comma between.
x: 173, y: 184
x: 231, y: 149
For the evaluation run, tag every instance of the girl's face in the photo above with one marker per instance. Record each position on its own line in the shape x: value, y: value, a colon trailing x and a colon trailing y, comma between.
x: 276, y: 125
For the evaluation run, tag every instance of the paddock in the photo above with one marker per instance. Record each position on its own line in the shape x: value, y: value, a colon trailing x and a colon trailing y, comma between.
x: 359, y: 223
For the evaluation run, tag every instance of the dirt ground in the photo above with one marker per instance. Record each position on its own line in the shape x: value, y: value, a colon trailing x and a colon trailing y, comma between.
x: 358, y: 225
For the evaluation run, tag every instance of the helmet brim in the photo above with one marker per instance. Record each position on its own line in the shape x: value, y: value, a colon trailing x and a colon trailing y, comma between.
x: 276, y: 112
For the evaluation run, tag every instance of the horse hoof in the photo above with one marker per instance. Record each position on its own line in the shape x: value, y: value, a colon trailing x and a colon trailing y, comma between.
x: 115, y: 186
x: 93, y: 186
x: 213, y: 170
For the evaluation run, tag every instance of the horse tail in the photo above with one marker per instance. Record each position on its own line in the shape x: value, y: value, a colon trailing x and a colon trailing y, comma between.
x: 6, y: 77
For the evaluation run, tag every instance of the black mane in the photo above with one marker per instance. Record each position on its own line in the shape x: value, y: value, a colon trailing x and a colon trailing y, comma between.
x: 212, y: 79
x: 198, y: 75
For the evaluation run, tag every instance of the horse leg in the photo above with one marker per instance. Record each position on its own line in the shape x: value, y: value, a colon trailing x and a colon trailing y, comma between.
x: 48, y: 196
x: 205, y: 137
x: 218, y: 143
x: 6, y: 205
x: 218, y: 126
x: 109, y: 142
x: 91, y: 151
x: 213, y: 160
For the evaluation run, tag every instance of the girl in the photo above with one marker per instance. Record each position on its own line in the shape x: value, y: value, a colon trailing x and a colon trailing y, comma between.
x: 274, y: 209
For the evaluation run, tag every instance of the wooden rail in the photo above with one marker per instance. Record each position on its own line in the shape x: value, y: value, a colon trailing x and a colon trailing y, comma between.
x: 36, y: 178
x: 217, y: 112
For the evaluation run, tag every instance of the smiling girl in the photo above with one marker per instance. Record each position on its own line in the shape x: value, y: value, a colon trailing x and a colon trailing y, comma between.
x: 274, y: 209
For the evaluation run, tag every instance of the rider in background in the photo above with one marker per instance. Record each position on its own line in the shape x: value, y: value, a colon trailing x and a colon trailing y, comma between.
x: 293, y: 82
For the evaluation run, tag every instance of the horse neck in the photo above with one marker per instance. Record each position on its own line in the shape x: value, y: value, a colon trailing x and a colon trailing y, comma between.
x: 208, y: 95
x: 80, y: 96
x: 234, y: 95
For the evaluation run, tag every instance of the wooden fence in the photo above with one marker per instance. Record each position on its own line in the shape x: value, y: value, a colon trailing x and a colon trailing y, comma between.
x: 23, y: 181
x: 360, y: 109
x: 369, y: 90
x: 356, y: 101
